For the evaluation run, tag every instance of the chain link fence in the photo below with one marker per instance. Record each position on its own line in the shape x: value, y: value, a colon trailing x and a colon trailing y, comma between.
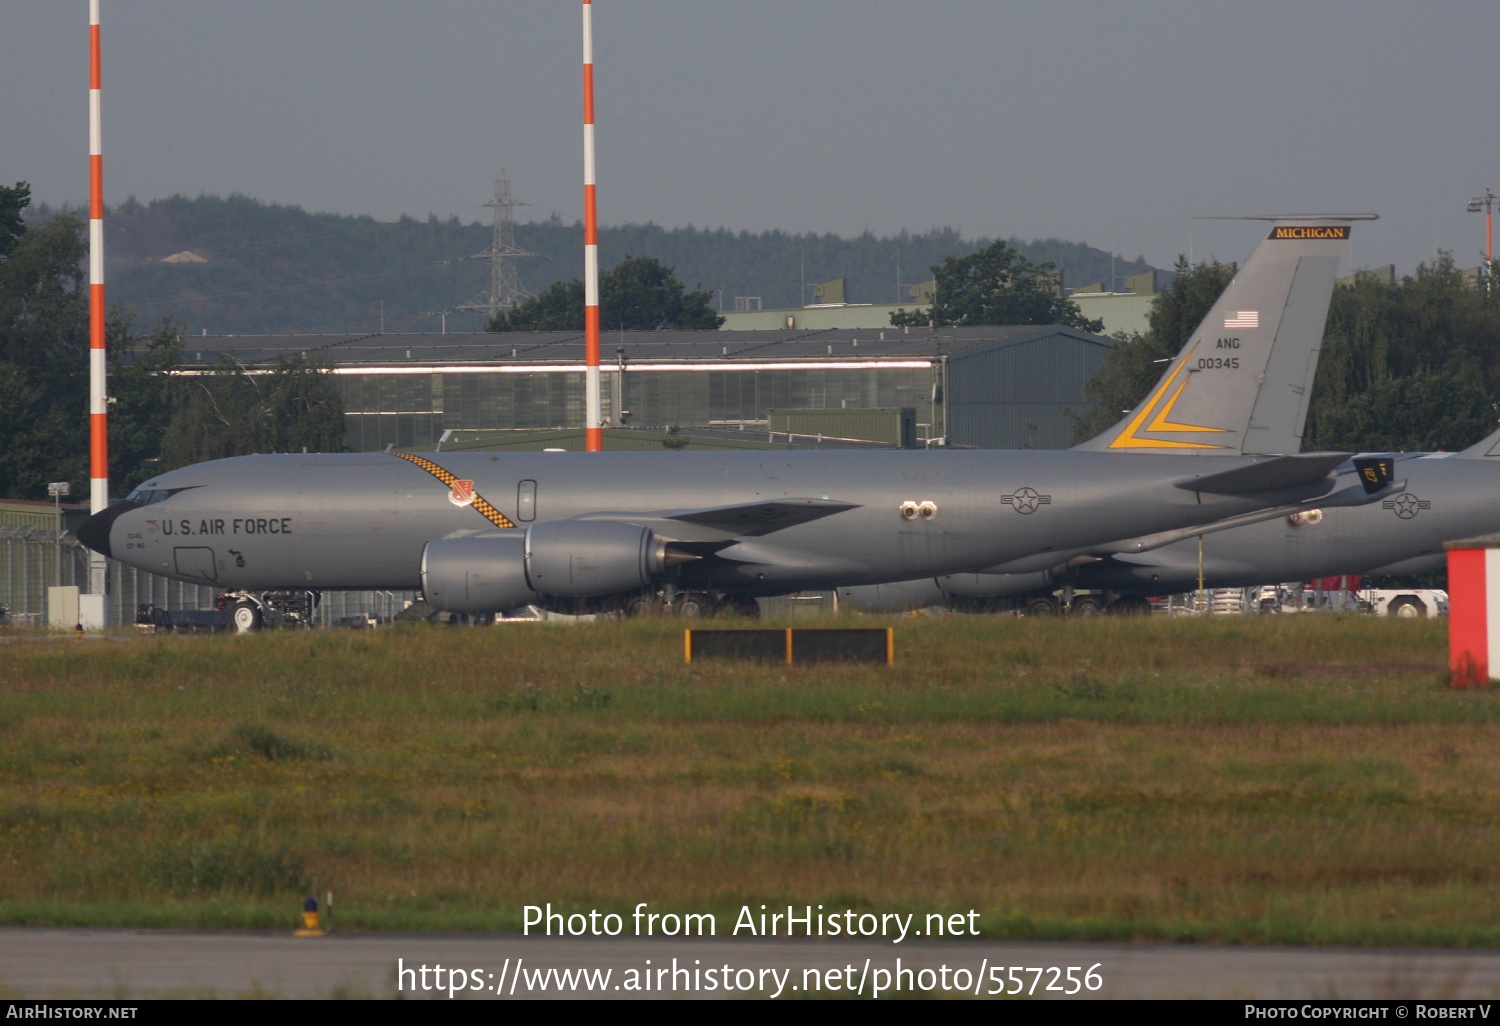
x: 34, y: 559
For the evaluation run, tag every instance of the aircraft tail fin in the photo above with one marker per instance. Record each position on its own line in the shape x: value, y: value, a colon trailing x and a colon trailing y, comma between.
x: 1487, y: 447
x: 1242, y: 382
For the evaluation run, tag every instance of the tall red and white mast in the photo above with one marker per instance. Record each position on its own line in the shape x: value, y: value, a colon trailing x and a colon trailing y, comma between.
x: 594, y: 423
x: 98, y: 425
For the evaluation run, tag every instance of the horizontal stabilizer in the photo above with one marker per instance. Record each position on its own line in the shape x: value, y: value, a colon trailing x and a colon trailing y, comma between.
x: 1375, y: 472
x: 1279, y: 473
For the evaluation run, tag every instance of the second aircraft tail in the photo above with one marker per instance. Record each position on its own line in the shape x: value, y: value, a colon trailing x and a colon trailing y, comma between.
x: 1242, y: 382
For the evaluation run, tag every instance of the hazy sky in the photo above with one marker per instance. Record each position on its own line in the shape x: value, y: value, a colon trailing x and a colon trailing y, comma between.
x: 1108, y: 122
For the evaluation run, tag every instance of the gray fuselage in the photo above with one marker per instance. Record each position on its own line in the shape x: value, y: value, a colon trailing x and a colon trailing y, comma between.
x: 356, y: 521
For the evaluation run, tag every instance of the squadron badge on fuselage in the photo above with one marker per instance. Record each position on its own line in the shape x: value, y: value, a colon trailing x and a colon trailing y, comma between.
x: 462, y: 493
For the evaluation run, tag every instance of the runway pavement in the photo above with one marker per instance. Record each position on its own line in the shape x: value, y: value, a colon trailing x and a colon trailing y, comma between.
x: 84, y: 963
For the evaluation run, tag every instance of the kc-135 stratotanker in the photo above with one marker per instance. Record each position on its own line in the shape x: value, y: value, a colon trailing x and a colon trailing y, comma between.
x: 481, y: 533
x: 1446, y: 496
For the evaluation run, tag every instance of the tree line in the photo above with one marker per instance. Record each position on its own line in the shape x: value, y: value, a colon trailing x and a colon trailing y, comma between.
x: 995, y: 285
x: 637, y: 294
x: 275, y: 268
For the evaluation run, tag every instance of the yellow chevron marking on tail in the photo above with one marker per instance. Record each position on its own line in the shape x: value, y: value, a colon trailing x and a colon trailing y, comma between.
x: 1131, y: 439
x: 480, y: 503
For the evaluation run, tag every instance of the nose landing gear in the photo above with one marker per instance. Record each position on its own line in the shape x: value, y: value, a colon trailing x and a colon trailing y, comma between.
x: 251, y: 611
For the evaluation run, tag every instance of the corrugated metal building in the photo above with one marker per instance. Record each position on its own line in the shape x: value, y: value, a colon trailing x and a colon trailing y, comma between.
x: 1007, y: 386
x: 1018, y: 392
x: 42, y: 515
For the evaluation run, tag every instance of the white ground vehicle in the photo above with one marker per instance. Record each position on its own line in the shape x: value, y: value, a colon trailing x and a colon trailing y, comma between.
x: 1406, y: 603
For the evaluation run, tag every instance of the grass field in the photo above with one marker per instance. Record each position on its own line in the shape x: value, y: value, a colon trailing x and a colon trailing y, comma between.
x: 1261, y: 779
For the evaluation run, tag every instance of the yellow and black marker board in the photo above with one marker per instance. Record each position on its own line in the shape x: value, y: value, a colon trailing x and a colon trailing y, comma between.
x: 793, y: 645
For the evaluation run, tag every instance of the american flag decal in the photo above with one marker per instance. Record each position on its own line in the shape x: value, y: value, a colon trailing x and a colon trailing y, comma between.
x: 1243, y: 319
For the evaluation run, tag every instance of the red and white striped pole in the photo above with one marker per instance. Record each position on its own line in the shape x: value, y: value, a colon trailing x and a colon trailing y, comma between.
x: 98, y: 425
x: 594, y: 423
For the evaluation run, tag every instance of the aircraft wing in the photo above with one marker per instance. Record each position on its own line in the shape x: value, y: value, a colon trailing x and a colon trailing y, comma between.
x: 1131, y: 550
x: 726, y: 523
x: 1277, y: 474
x: 1354, y: 495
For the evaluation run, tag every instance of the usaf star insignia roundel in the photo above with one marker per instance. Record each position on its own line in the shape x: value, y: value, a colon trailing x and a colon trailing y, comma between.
x: 1026, y: 500
x: 1406, y: 505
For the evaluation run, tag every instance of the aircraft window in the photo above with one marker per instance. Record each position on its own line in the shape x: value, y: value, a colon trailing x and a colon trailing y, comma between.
x: 145, y: 497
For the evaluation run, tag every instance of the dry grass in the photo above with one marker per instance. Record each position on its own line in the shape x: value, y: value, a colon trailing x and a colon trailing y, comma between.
x: 1277, y: 779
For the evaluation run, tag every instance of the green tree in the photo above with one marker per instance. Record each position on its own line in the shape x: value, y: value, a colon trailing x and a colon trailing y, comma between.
x: 144, y: 398
x: 230, y: 411
x: 157, y: 419
x: 640, y: 294
x: 43, y: 352
x: 637, y: 294
x: 1136, y: 363
x: 675, y: 439
x: 996, y: 285
x: 12, y: 227
x: 1411, y: 365
x: 560, y: 308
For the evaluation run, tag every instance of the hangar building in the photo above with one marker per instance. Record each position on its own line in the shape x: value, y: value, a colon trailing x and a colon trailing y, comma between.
x: 1000, y: 387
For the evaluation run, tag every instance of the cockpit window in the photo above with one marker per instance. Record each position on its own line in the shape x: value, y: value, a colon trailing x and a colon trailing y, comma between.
x: 147, y: 496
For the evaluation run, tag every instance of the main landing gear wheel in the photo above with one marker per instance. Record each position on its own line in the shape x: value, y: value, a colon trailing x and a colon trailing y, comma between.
x: 695, y: 605
x: 1408, y: 608
x: 1087, y: 605
x: 641, y: 605
x: 1041, y: 605
x: 245, y: 617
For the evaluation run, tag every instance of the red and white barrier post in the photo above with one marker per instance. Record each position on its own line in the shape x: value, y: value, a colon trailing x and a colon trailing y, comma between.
x: 1474, y: 610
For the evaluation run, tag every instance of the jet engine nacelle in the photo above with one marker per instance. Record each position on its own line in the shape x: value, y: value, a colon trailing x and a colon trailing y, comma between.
x: 905, y: 596
x: 984, y: 586
x: 490, y: 573
x: 477, y: 574
x: 898, y: 597
x: 585, y: 558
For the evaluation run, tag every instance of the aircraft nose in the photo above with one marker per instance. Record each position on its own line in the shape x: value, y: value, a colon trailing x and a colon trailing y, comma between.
x: 94, y: 532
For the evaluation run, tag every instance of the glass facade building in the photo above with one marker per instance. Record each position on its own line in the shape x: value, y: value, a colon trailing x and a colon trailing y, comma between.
x: 986, y: 386
x: 414, y: 410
